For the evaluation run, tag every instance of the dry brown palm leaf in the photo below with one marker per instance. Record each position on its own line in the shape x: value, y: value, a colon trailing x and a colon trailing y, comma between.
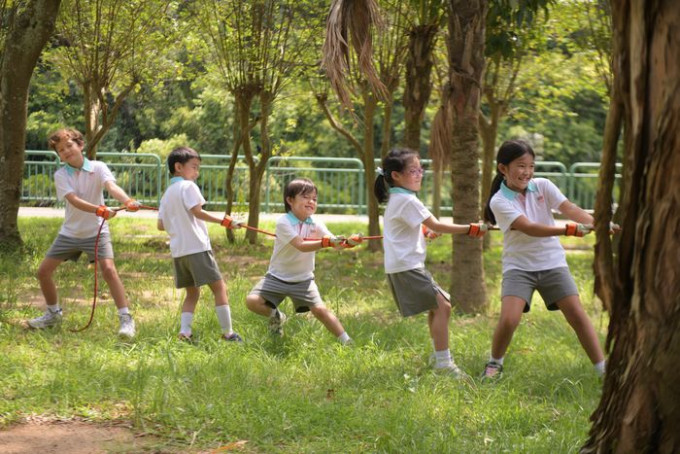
x: 441, y: 137
x: 355, y: 18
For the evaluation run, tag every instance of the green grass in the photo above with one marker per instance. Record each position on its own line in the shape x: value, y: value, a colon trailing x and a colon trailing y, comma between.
x: 302, y: 393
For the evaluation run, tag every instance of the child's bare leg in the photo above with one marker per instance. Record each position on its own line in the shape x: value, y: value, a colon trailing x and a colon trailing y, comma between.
x: 578, y: 319
x: 257, y: 304
x: 438, y: 320
x: 47, y: 285
x: 191, y: 299
x: 329, y: 320
x: 511, y: 314
x: 219, y: 289
x: 110, y: 275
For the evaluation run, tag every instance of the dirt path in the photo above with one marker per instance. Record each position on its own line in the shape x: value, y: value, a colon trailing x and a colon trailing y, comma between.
x: 73, y: 437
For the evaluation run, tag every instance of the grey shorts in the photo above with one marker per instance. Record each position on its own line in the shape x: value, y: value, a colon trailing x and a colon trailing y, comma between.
x: 67, y: 248
x: 415, y: 291
x: 273, y: 290
x: 553, y: 285
x: 195, y: 270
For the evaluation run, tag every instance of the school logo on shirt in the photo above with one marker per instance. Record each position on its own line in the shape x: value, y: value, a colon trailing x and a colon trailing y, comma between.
x: 540, y: 198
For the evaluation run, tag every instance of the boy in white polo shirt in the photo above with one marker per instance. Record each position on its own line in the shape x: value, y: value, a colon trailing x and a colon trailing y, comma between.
x: 181, y: 214
x: 81, y: 183
x: 533, y: 258
x: 291, y: 268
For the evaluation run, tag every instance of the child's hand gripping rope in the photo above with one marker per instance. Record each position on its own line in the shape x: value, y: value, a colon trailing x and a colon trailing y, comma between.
x: 354, y: 239
x: 579, y: 230
x: 430, y: 234
x: 477, y: 229
x: 231, y: 223
x: 332, y: 241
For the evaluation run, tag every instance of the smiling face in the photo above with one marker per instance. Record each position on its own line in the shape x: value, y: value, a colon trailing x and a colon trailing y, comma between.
x: 303, y: 205
x: 189, y: 170
x: 70, y: 151
x: 518, y: 173
x: 411, y: 177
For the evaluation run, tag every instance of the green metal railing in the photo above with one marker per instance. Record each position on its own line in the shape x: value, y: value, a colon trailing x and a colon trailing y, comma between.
x: 341, y: 181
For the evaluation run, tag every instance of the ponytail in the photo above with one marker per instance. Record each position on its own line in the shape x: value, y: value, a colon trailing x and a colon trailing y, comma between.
x: 495, y: 187
x: 380, y: 189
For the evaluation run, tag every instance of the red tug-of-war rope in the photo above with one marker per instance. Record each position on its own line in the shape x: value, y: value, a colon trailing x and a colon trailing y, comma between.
x: 96, y: 258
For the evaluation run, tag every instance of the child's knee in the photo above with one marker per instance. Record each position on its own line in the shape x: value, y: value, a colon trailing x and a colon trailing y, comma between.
x: 254, y: 302
x: 509, y: 321
x: 319, y: 311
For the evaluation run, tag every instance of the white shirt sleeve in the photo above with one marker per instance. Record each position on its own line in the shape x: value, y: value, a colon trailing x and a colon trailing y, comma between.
x: 504, y: 211
x: 414, y: 212
x: 285, y: 231
x: 191, y: 196
x: 62, y: 183
x: 553, y: 196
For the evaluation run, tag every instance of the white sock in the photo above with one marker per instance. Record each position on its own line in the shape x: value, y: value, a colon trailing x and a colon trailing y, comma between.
x: 273, y: 313
x: 224, y: 316
x: 123, y: 311
x: 443, y: 358
x: 186, y: 319
x: 600, y: 367
x: 53, y: 307
x: 496, y: 360
x: 344, y: 338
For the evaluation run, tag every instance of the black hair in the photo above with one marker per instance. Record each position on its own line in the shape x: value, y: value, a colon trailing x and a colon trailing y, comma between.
x: 297, y: 186
x: 181, y: 155
x: 395, y: 161
x: 508, y: 152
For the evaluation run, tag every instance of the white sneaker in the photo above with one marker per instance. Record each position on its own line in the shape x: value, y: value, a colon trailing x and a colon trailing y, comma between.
x: 452, y: 371
x: 276, y: 321
x: 127, y: 326
x: 47, y: 320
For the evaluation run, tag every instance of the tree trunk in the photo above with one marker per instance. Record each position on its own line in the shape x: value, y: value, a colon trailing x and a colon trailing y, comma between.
x: 257, y: 168
x: 640, y: 406
x: 368, y: 158
x: 489, y: 135
x: 30, y: 26
x: 418, y: 87
x: 437, y: 181
x: 466, y: 68
x: 92, y: 110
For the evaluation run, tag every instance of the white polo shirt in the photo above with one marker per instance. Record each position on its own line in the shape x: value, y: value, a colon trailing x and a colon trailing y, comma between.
x: 522, y: 251
x: 287, y: 262
x: 403, y: 239
x: 188, y: 234
x: 88, y: 184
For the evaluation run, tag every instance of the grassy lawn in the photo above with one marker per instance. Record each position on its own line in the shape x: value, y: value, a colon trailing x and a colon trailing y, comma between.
x: 303, y: 393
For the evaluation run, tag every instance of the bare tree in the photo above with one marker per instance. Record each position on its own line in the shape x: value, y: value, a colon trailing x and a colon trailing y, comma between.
x: 640, y: 405
x: 109, y: 47
x: 26, y: 27
x: 253, y: 49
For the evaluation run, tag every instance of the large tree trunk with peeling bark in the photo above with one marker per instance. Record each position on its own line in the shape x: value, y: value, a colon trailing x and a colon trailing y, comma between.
x: 28, y: 27
x: 466, y: 68
x: 640, y: 406
x: 418, y: 87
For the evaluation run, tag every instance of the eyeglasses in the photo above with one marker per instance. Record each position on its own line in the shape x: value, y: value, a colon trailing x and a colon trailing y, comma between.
x: 416, y: 172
